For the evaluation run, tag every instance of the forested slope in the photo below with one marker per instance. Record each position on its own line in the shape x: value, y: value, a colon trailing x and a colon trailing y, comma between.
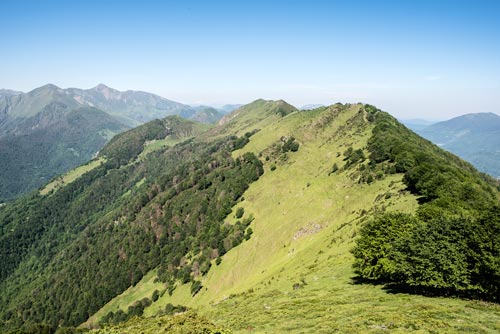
x: 67, y: 253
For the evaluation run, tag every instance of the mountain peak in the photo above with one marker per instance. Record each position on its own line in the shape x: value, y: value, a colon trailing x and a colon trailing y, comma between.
x: 102, y: 87
x: 45, y: 90
x: 47, y: 87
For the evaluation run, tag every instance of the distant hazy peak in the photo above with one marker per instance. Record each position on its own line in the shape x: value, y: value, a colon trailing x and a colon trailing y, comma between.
x: 45, y: 88
x: 311, y: 106
x: 486, y: 121
x: 101, y: 87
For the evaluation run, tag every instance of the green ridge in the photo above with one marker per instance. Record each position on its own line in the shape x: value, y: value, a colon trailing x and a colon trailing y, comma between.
x: 254, y: 245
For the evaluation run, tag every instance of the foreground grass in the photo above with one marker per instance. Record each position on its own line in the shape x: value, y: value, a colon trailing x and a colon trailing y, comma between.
x: 186, y: 323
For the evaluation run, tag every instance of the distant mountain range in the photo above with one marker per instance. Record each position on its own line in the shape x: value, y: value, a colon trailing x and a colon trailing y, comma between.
x: 473, y: 137
x: 311, y: 106
x: 50, y: 130
x: 417, y: 124
x: 8, y: 92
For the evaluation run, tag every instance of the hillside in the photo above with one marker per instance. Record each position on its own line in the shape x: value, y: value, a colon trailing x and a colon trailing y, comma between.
x: 8, y: 92
x: 58, y: 138
x: 40, y: 136
x: 473, y: 137
x: 250, y: 223
x: 207, y: 115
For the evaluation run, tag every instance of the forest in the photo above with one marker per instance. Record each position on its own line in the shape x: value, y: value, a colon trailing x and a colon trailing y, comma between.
x: 451, y: 246
x: 83, y: 244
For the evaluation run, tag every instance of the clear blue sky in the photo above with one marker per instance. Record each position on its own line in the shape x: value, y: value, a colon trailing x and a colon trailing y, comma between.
x: 427, y: 59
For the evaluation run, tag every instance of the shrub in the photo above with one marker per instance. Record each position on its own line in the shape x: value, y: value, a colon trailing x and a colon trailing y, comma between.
x: 195, y: 287
x: 155, y: 296
x: 239, y: 212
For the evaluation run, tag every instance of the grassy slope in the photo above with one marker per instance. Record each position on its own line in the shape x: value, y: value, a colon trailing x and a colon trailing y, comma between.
x: 305, y: 222
x: 185, y: 323
x: 70, y: 176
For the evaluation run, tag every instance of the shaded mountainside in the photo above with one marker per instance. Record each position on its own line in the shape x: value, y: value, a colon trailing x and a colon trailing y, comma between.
x: 207, y: 115
x: 37, y: 142
x: 251, y: 225
x: 50, y: 143
x: 473, y: 137
x: 8, y: 92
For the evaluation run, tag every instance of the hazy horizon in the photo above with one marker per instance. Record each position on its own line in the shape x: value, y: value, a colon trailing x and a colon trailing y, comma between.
x: 415, y: 60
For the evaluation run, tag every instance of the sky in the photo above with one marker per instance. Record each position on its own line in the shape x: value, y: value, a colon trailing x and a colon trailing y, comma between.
x: 415, y: 59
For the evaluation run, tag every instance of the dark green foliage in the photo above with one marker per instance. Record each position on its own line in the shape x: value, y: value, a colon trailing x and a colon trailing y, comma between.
x: 452, y: 245
x: 248, y: 234
x: 352, y: 156
x: 239, y: 212
x: 134, y: 310
x: 40, y: 151
x: 195, y: 287
x: 433, y: 255
x: 155, y: 295
x: 172, y: 309
x: 242, y: 141
x: 290, y: 145
x: 100, y: 234
x: 376, y: 243
x: 445, y: 255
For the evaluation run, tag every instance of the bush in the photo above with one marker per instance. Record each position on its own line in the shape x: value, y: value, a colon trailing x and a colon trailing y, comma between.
x: 239, y: 212
x: 172, y: 309
x: 446, y: 254
x: 195, y: 287
x: 290, y: 145
x: 249, y: 233
x: 155, y: 296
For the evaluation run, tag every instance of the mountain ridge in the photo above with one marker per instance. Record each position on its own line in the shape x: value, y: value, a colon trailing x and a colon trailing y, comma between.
x: 258, y: 213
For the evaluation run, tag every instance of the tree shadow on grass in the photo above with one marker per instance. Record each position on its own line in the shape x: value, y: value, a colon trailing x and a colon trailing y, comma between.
x: 396, y: 288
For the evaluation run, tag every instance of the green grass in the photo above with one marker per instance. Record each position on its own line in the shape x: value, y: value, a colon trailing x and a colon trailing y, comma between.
x: 159, y: 144
x: 144, y: 289
x: 70, y: 176
x: 185, y: 323
x: 305, y: 225
x: 255, y: 115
